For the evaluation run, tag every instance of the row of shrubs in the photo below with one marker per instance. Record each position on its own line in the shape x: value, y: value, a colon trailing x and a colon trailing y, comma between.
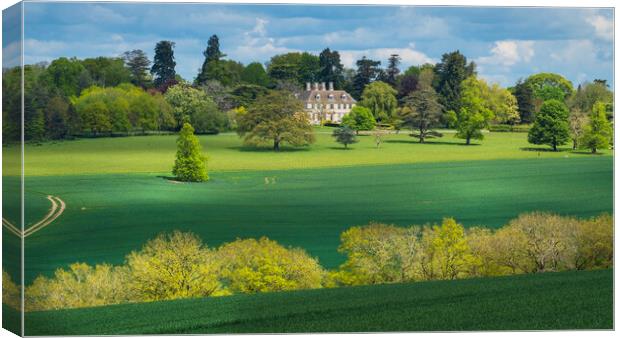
x: 179, y: 265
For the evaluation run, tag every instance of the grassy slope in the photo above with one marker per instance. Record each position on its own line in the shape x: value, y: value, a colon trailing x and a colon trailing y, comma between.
x: 568, y: 300
x: 156, y: 153
x: 107, y: 216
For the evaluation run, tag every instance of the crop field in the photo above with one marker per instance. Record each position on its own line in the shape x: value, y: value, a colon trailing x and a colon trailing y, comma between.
x: 559, y: 301
x: 108, y: 216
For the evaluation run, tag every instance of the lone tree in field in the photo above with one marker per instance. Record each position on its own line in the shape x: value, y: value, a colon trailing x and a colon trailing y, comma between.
x: 421, y: 113
x: 189, y: 165
x: 359, y: 118
x: 276, y: 117
x: 345, y: 136
x: 597, y: 133
x: 550, y: 125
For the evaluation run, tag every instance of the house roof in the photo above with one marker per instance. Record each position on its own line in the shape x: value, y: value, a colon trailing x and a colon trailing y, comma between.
x: 325, y: 96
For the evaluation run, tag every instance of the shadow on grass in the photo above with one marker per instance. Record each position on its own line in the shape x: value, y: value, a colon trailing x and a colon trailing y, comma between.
x: 416, y: 141
x: 546, y: 150
x: 583, y: 152
x: 340, y: 148
x: 251, y: 149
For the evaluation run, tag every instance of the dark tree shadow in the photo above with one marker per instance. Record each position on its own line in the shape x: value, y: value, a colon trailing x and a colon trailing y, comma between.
x: 431, y: 142
x: 265, y: 149
x: 340, y: 148
x: 583, y: 152
x: 546, y: 150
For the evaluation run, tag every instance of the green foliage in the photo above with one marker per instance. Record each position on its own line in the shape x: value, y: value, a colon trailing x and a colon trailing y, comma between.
x: 588, y: 94
x: 250, y: 266
x: 551, y: 125
x: 330, y: 68
x: 297, y: 67
x: 450, y: 73
x: 277, y: 117
x: 359, y: 118
x: 367, y: 71
x: 227, y: 72
x: 255, y: 74
x: 598, y: 132
x: 542, y: 83
x: 196, y: 107
x: 345, y: 136
x: 107, y: 72
x: 173, y: 266
x: 503, y: 105
x: 189, y: 165
x: 11, y: 294
x: 163, y: 63
x: 421, y: 112
x: 64, y: 74
x: 525, y: 101
x: 138, y: 64
x: 244, y: 95
x: 380, y: 98
x: 475, y: 112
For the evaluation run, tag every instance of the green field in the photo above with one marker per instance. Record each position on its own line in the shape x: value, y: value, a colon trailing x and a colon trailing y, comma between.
x: 558, y: 301
x: 155, y: 154
x: 110, y: 215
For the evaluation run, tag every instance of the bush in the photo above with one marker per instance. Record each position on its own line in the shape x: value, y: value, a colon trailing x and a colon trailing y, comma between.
x: 517, y: 128
x: 250, y: 266
x: 189, y: 165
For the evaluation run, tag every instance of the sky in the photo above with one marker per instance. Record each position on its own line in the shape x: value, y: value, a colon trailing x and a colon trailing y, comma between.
x: 505, y: 43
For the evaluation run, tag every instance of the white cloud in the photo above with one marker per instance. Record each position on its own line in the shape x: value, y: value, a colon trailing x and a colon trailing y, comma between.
x: 508, y: 53
x: 409, y: 56
x: 603, y: 27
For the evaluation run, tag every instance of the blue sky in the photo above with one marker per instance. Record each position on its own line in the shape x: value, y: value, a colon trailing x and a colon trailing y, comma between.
x: 506, y: 43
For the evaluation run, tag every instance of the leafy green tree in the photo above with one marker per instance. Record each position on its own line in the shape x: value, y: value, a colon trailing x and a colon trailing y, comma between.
x: 422, y: 114
x: 588, y: 94
x: 543, y: 85
x: 107, y: 72
x: 447, y: 254
x: 243, y: 95
x: 450, y: 73
x: 551, y: 125
x: 57, y: 118
x: 95, y: 116
x: 64, y: 74
x: 163, y: 64
x: 263, y: 265
x: 380, y: 98
x: 525, y: 101
x: 173, y: 266
x: 255, y: 74
x: 474, y: 114
x: 345, y: 136
x: 576, y: 124
x: 277, y: 117
x: 138, y: 64
x: 330, y: 68
x: 297, y: 67
x: 367, y: 71
x: 503, y: 105
x: 189, y: 165
x: 597, y: 133
x: 194, y: 105
x: 359, y: 118
x: 227, y: 72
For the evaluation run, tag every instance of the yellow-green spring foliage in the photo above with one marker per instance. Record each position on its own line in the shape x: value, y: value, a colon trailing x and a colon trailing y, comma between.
x: 189, y: 165
x: 10, y: 291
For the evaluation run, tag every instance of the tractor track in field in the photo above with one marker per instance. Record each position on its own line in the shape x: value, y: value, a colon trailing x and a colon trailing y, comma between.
x: 58, y: 207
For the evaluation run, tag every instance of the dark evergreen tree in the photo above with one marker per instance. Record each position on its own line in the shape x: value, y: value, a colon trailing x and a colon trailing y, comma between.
x: 367, y: 72
x: 212, y: 56
x: 163, y: 64
x: 330, y: 68
x: 525, y: 101
x: 392, y: 70
x: 138, y: 64
x: 450, y: 72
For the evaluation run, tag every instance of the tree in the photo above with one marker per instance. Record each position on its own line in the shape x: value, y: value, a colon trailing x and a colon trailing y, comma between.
x: 474, y: 114
x: 544, y: 84
x: 588, y: 94
x: 297, y: 67
x: 138, y: 64
x: 503, y: 105
x: 254, y: 73
x: 227, y: 72
x: 64, y: 74
x: 196, y: 107
x: 380, y: 98
x: 212, y: 56
x: 163, y: 63
x: 367, y: 72
x: 107, y: 72
x: 576, y: 122
x: 345, y: 136
x: 597, y: 133
x: 277, y: 117
x: 172, y: 266
x: 250, y: 266
x: 550, y: 125
x: 424, y: 112
x: 330, y: 68
x: 189, y: 165
x: 450, y: 73
x: 359, y: 118
x: 525, y: 102
x: 447, y: 250
x: 392, y: 70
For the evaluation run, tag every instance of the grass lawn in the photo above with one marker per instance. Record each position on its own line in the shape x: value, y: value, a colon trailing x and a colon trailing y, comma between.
x: 550, y: 301
x: 108, y: 216
x: 149, y: 154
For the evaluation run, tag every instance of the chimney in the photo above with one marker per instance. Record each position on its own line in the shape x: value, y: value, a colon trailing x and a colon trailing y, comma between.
x: 331, y: 86
x: 323, y: 86
x: 316, y: 86
x: 307, y: 86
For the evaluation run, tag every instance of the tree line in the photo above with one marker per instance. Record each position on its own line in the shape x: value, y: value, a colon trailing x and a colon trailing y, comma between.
x: 421, y: 97
x: 178, y: 265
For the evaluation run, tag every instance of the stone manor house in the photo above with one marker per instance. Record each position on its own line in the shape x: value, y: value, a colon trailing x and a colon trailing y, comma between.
x: 325, y: 104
